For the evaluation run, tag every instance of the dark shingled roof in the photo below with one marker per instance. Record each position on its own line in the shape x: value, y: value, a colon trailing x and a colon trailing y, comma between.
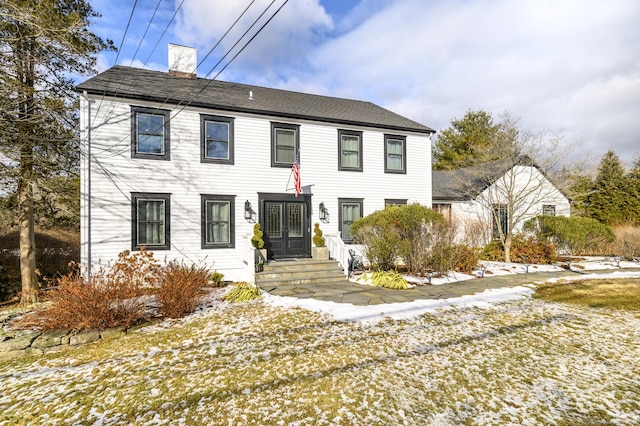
x: 468, y: 182
x: 141, y: 84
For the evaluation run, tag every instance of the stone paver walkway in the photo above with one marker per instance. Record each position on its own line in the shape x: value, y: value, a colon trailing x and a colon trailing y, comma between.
x: 362, y: 295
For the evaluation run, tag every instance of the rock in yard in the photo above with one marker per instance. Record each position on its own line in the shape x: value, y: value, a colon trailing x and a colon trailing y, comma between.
x: 19, y: 342
x: 50, y: 338
x: 84, y: 337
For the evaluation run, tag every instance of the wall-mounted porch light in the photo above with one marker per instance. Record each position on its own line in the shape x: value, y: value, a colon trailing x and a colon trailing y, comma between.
x: 323, y: 213
x: 247, y: 210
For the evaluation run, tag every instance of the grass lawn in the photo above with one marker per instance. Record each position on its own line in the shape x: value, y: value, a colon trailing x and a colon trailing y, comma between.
x: 525, y: 362
x: 623, y: 294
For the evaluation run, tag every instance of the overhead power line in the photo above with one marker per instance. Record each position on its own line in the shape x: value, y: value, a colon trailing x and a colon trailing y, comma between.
x: 145, y: 32
x: 191, y: 97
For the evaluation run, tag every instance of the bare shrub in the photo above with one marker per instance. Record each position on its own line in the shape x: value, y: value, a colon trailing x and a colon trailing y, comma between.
x: 132, y: 273
x: 109, y: 297
x: 627, y: 243
x: 465, y: 258
x: 475, y: 233
x: 96, y: 303
x: 179, y: 289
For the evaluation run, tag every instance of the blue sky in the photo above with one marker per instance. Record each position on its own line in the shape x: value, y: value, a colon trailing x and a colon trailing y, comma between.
x: 568, y: 67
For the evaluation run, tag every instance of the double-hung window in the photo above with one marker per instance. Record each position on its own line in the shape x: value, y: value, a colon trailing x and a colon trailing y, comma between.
x: 218, y: 225
x: 150, y: 219
x: 548, y: 210
x: 349, y: 150
x: 395, y: 154
x: 150, y: 133
x: 216, y: 139
x: 500, y: 221
x: 350, y: 209
x: 285, y: 143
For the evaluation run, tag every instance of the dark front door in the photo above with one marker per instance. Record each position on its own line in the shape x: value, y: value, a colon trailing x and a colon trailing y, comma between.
x: 286, y: 228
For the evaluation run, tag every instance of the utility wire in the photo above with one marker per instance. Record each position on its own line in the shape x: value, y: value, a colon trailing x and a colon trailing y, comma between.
x: 118, y: 54
x: 225, y: 34
x: 139, y: 44
x: 145, y: 32
x: 163, y: 32
x: 192, y: 97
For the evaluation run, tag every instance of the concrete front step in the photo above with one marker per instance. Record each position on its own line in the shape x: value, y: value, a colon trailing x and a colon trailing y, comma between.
x: 300, y: 265
x: 299, y: 272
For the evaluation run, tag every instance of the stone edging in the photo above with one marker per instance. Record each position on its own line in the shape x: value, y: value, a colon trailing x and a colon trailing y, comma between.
x: 20, y: 343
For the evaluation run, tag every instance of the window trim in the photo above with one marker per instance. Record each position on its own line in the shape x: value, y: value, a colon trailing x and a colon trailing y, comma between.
x: 165, y: 114
x: 341, y: 202
x: 498, y: 228
x: 275, y: 126
x: 403, y: 139
x: 204, y: 118
x: 548, y: 209
x: 395, y: 202
x: 357, y: 133
x: 150, y: 196
x: 231, y: 199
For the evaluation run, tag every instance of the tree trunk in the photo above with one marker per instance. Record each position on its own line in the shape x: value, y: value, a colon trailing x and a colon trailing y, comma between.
x: 507, y: 248
x: 25, y: 187
x: 27, y: 230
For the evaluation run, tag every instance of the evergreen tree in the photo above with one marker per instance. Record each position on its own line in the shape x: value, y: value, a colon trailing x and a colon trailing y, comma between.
x: 633, y: 186
x: 460, y: 144
x: 42, y: 43
x: 608, y: 199
x: 475, y: 139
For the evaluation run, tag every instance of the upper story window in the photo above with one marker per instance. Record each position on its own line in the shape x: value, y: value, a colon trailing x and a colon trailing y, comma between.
x: 149, y: 133
x: 285, y: 143
x: 150, y: 214
x: 216, y: 139
x: 395, y: 154
x: 548, y: 210
x: 218, y: 224
x: 349, y: 150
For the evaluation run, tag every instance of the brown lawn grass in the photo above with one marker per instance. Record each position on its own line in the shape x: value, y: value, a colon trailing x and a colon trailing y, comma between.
x: 619, y: 294
x: 45, y: 238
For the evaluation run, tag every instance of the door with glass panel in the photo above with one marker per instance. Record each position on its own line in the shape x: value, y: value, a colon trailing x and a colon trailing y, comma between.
x: 286, y: 229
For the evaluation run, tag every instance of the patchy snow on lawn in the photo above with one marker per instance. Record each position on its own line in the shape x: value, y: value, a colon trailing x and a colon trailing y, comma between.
x: 409, y: 310
x: 496, y: 357
x: 515, y: 362
x: 397, y: 311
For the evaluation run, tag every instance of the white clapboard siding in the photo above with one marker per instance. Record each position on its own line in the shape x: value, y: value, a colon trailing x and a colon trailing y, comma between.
x: 528, y: 180
x: 112, y: 175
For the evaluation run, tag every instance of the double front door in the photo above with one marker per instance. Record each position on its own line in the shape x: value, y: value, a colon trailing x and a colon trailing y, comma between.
x: 286, y: 228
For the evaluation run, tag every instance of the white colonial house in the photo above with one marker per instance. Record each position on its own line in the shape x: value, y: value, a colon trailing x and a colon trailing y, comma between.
x: 486, y: 200
x: 186, y: 166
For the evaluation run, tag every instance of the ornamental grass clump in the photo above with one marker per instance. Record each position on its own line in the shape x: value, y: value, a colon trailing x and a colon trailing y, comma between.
x: 243, y: 292
x: 389, y: 279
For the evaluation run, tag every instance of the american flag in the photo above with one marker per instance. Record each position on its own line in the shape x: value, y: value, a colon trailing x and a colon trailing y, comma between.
x: 295, y: 169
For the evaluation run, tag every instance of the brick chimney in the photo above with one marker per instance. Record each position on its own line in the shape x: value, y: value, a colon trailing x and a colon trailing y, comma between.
x: 182, y: 61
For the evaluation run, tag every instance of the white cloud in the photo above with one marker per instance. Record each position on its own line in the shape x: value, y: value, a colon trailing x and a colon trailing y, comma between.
x: 282, y: 46
x: 568, y: 66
